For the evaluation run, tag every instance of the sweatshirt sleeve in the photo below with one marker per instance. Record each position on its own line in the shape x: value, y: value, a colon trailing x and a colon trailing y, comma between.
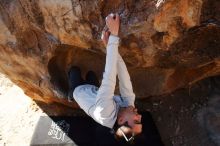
x: 125, y: 85
x: 105, y: 111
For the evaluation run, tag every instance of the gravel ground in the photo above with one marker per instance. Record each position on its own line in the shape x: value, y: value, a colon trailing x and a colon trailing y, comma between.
x: 18, y: 116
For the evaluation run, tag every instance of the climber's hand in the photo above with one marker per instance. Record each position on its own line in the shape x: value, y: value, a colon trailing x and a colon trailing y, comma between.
x: 105, y: 37
x: 112, y: 22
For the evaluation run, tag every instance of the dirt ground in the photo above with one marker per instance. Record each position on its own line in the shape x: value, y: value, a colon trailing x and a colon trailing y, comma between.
x: 187, y: 117
x: 18, y: 116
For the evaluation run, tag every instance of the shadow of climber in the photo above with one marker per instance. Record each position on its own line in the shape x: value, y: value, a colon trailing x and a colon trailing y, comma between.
x: 84, y: 131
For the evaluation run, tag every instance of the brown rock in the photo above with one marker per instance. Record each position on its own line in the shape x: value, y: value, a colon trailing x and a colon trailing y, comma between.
x: 165, y: 47
x: 175, y: 17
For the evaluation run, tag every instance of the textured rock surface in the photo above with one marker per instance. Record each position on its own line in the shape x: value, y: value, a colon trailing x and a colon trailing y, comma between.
x: 166, y: 44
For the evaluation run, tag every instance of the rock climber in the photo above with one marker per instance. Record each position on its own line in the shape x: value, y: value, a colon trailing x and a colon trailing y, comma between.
x: 114, y: 112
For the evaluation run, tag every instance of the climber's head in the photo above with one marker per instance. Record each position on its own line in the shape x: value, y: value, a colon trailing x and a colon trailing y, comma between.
x: 129, y: 122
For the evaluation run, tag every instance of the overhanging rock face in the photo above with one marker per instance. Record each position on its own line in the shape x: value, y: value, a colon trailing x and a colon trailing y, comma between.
x: 166, y: 44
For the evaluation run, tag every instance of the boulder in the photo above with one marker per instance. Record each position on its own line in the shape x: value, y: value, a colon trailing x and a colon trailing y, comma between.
x: 166, y: 44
